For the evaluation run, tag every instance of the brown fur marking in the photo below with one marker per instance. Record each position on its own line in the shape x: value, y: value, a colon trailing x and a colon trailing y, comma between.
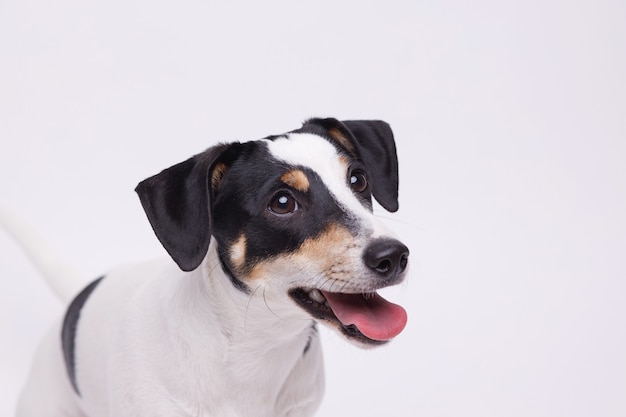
x: 330, y: 253
x: 341, y: 139
x: 218, y: 173
x: 238, y: 252
x: 296, y: 179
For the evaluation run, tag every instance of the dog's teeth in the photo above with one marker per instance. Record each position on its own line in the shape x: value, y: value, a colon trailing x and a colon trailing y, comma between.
x: 317, y: 296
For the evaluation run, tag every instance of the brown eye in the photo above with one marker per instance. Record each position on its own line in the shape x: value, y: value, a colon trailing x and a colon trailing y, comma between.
x: 358, y: 182
x: 283, y: 203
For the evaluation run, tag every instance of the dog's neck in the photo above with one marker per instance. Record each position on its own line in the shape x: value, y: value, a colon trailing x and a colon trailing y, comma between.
x: 255, y: 317
x: 259, y: 338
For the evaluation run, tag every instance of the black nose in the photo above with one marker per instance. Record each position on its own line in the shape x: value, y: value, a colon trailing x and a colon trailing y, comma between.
x: 388, y: 257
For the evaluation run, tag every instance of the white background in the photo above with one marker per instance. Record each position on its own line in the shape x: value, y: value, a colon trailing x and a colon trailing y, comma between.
x: 510, y: 123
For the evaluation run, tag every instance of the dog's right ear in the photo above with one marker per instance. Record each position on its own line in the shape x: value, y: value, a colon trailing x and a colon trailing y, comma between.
x: 177, y: 203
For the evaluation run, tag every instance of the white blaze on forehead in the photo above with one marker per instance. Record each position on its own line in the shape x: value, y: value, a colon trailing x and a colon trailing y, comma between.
x: 318, y: 154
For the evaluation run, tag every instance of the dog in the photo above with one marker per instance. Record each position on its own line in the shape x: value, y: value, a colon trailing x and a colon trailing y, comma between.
x: 268, y: 238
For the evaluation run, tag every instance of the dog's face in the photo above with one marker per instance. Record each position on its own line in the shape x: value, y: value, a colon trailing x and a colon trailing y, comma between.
x: 293, y: 214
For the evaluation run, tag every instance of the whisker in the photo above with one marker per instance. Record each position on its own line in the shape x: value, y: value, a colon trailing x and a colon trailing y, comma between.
x: 214, y: 268
x: 322, y: 281
x: 334, y: 281
x: 343, y: 287
x: 404, y: 222
x: 268, y: 306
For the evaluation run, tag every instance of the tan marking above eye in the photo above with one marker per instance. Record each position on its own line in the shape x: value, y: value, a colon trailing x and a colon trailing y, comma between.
x: 345, y: 162
x: 296, y: 179
x: 218, y: 173
x: 341, y: 139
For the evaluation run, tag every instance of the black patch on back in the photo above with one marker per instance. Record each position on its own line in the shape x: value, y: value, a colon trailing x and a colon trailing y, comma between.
x: 68, y: 331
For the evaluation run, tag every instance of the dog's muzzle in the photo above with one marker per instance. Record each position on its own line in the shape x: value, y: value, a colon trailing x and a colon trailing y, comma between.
x: 364, y: 316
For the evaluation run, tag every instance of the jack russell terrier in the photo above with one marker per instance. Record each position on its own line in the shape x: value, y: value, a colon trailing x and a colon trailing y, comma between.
x: 269, y: 237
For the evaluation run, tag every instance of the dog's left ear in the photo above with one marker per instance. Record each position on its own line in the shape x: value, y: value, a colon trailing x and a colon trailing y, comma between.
x: 177, y: 203
x: 376, y: 147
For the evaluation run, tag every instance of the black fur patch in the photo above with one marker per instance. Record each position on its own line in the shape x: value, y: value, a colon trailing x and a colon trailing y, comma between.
x: 68, y: 332
x: 312, y: 335
x: 219, y: 193
x: 375, y: 148
x: 237, y: 283
x: 240, y: 207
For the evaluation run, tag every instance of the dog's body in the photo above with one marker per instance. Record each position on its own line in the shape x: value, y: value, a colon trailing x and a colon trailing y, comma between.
x: 274, y: 235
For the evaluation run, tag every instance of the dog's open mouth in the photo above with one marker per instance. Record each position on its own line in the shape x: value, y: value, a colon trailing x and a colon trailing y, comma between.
x: 367, y: 318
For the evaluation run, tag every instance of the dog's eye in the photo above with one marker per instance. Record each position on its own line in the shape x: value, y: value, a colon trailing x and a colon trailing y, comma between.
x: 358, y: 181
x: 283, y: 203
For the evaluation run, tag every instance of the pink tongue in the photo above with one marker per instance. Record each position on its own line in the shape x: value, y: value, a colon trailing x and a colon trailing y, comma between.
x: 374, y: 316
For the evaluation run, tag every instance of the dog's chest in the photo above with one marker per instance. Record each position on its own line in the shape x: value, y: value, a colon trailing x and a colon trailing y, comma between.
x: 174, y: 360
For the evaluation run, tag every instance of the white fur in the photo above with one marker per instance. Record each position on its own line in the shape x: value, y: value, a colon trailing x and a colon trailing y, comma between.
x: 63, y: 280
x: 155, y: 341
x: 322, y: 157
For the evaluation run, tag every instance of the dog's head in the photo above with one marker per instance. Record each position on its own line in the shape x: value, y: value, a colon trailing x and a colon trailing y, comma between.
x: 293, y: 212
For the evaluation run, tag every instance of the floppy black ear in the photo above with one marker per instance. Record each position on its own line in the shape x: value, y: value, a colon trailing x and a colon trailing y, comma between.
x: 376, y: 147
x: 177, y: 203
